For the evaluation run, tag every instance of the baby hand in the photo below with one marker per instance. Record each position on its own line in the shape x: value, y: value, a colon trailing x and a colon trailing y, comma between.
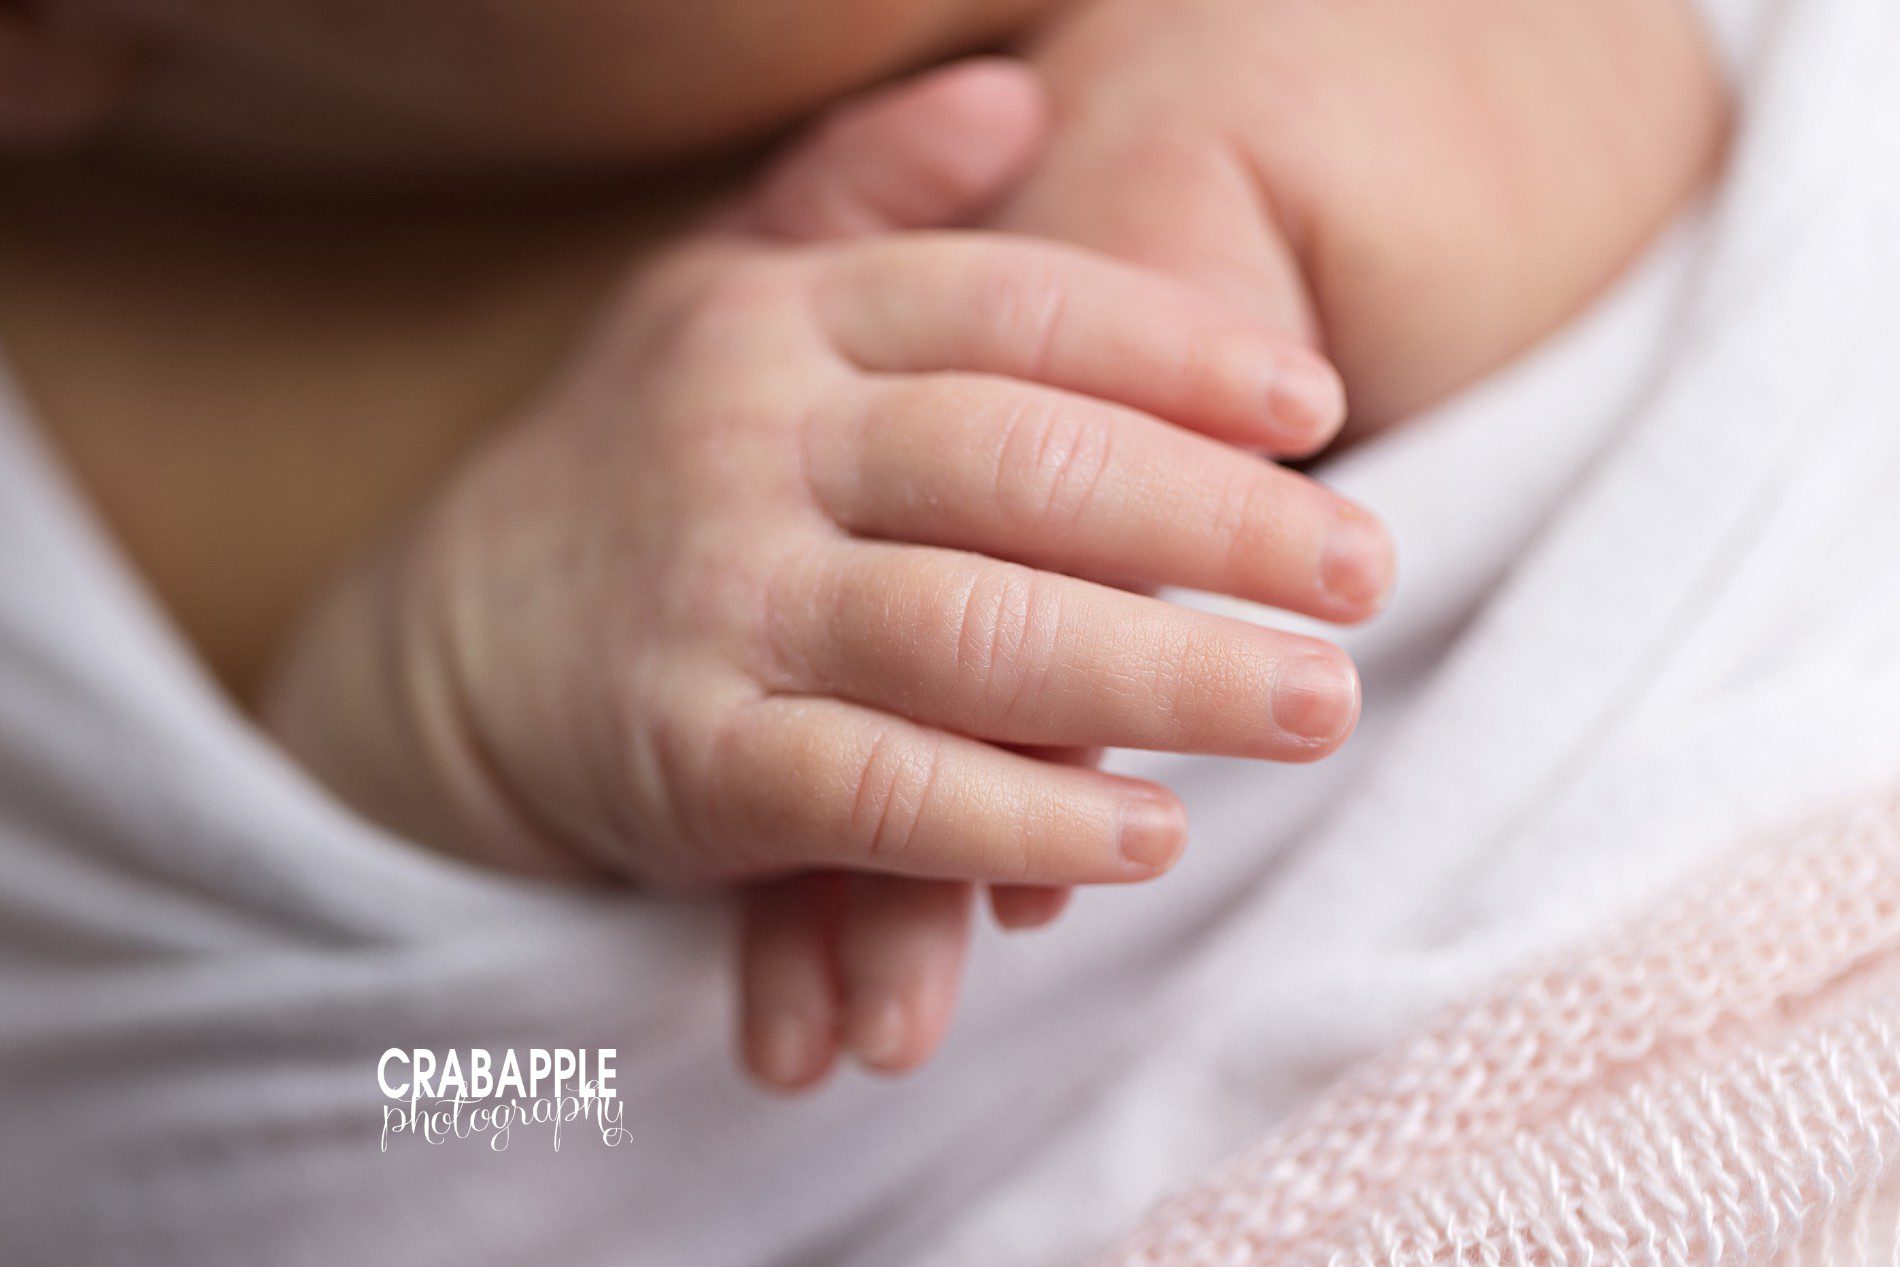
x: 1421, y: 191
x: 813, y: 541
x: 870, y: 960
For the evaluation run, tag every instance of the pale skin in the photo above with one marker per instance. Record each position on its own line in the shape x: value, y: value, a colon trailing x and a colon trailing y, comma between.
x: 1318, y: 106
x: 816, y: 536
x: 1255, y: 150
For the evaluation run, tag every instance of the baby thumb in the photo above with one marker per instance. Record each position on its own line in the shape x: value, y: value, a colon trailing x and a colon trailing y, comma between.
x: 931, y: 152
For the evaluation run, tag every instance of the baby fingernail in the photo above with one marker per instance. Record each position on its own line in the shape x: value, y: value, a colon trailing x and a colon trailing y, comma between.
x: 1316, y: 698
x: 1306, y: 400
x: 1355, y: 569
x: 1153, y: 830
x: 874, y: 1030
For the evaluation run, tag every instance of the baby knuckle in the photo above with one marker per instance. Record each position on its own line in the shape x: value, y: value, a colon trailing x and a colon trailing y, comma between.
x: 894, y: 790
x: 741, y: 762
x: 1007, y: 637
x: 799, y: 593
x: 1021, y: 299
x: 1050, y: 465
x: 662, y: 802
x: 1180, y: 682
x: 729, y: 302
x: 1246, y: 522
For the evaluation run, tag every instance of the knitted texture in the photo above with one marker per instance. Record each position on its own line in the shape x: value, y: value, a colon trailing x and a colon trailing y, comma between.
x: 1715, y: 1083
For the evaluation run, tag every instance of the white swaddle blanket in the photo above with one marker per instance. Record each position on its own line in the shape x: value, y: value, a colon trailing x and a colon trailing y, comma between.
x: 1648, y: 603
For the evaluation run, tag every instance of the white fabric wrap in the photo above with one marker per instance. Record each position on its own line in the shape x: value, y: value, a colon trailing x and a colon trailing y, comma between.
x: 1648, y: 603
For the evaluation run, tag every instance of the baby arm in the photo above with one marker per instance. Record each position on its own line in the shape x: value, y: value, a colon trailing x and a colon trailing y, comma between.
x: 1420, y: 190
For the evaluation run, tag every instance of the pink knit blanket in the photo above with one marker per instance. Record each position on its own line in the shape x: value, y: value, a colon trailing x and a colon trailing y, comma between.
x: 1717, y: 1082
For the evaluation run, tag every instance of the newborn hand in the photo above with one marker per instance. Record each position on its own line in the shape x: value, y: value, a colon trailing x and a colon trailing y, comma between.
x: 814, y: 541
x: 1419, y: 190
